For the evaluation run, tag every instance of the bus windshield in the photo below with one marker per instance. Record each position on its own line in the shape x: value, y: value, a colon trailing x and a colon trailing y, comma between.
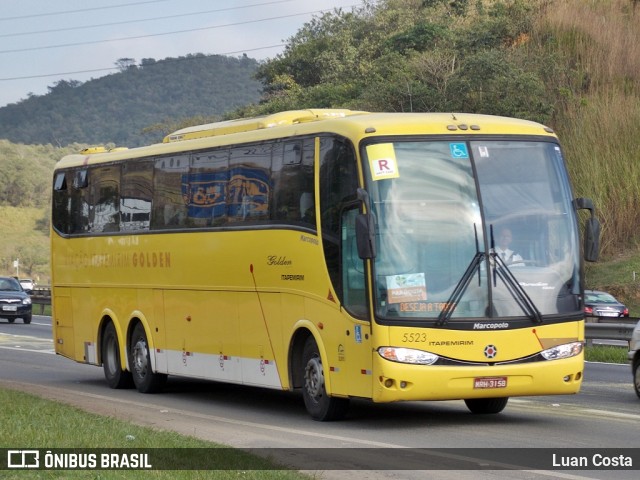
x: 477, y: 229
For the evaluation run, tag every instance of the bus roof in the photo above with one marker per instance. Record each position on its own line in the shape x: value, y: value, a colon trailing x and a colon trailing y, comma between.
x: 353, y: 124
x: 291, y: 117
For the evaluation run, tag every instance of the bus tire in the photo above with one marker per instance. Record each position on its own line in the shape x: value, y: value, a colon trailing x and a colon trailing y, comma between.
x: 145, y: 380
x: 114, y: 374
x: 320, y: 406
x: 486, y: 405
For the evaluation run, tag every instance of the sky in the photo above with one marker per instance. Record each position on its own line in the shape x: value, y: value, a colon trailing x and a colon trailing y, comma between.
x: 44, y: 41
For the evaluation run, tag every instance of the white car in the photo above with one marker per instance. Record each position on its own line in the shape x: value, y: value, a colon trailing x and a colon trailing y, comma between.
x: 27, y: 284
x: 634, y: 357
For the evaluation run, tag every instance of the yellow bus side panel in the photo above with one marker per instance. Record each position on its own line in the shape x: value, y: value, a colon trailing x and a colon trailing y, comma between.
x: 64, y: 341
x: 347, y: 345
x: 215, y: 305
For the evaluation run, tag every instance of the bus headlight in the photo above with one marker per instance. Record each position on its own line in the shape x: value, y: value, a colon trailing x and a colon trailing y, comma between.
x: 563, y: 351
x: 407, y: 355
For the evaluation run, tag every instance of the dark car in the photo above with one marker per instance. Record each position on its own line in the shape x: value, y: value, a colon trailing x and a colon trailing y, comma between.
x: 634, y: 357
x: 603, y: 304
x: 14, y: 301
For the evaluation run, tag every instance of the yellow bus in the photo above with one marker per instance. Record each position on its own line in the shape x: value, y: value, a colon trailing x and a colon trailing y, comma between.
x: 339, y: 253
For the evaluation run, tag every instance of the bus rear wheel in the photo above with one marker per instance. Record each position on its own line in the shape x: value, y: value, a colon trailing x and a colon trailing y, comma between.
x: 320, y: 406
x: 486, y: 405
x: 114, y: 374
x: 145, y: 380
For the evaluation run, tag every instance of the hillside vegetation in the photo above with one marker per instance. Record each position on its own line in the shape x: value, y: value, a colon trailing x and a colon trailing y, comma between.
x: 25, y: 237
x: 118, y: 108
x: 25, y: 196
x: 571, y: 64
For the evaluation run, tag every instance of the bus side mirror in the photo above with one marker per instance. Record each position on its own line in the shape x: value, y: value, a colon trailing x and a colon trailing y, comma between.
x: 366, y: 236
x: 591, y: 230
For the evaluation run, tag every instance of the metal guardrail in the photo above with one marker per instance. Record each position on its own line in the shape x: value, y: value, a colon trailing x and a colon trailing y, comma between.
x: 607, y: 328
x: 41, y: 296
x: 594, y: 328
x: 609, y: 331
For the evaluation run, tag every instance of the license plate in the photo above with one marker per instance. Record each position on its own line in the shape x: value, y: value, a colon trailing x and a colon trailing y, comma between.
x: 490, y: 382
x: 608, y: 314
x: 9, y: 308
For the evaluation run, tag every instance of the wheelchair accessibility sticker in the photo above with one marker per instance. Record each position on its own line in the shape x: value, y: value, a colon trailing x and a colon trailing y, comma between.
x: 459, y: 150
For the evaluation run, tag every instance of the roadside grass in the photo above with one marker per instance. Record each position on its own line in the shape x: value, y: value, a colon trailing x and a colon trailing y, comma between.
x: 31, y: 422
x: 620, y: 276
x: 606, y: 353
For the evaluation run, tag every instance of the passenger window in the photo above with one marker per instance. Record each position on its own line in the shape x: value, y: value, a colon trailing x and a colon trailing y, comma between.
x: 104, y: 210
x: 170, y: 177
x: 136, y: 196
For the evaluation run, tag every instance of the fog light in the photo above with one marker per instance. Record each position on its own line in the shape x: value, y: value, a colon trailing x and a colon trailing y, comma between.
x: 388, y: 383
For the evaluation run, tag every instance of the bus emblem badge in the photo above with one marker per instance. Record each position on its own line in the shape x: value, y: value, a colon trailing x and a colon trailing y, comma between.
x: 490, y: 351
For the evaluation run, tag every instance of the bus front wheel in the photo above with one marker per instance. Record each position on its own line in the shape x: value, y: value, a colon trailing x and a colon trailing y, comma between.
x: 114, y: 374
x: 486, y: 405
x: 320, y: 406
x: 145, y: 380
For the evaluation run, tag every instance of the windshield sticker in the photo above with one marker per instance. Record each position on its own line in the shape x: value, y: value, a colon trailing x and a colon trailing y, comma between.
x: 383, y: 162
x: 406, y: 288
x: 484, y: 152
x: 459, y: 150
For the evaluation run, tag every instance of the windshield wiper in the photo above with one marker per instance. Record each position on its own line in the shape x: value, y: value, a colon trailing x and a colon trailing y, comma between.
x: 463, y: 283
x: 518, y: 293
x: 461, y: 287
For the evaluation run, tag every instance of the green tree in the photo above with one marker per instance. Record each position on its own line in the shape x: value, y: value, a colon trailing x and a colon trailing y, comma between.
x: 411, y: 55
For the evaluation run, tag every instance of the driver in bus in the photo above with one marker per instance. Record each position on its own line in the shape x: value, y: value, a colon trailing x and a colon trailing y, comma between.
x: 508, y: 256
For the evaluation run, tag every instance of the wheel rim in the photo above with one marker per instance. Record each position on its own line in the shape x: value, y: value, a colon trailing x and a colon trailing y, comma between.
x: 314, y: 378
x: 140, y: 364
x: 110, y: 354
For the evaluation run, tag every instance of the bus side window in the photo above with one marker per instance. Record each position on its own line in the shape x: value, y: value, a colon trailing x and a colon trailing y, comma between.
x: 292, y: 181
x: 169, y: 180
x: 353, y: 274
x: 206, y: 193
x: 136, y: 196
x: 249, y: 189
x: 79, y: 202
x: 61, y: 203
x: 104, y: 199
x: 338, y: 185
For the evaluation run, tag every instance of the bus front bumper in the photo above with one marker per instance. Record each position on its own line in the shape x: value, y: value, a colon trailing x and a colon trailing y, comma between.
x: 404, y: 382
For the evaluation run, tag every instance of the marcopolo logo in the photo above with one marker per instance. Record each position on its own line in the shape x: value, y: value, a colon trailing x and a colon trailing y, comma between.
x: 490, y: 326
x: 23, y: 459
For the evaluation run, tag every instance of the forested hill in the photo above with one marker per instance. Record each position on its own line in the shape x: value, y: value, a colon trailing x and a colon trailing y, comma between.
x: 118, y: 107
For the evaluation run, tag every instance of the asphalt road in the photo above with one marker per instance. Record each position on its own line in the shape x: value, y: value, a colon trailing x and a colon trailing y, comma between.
x: 605, y: 414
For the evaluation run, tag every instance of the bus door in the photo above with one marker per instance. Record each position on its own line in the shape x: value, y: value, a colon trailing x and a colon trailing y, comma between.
x: 348, y: 344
